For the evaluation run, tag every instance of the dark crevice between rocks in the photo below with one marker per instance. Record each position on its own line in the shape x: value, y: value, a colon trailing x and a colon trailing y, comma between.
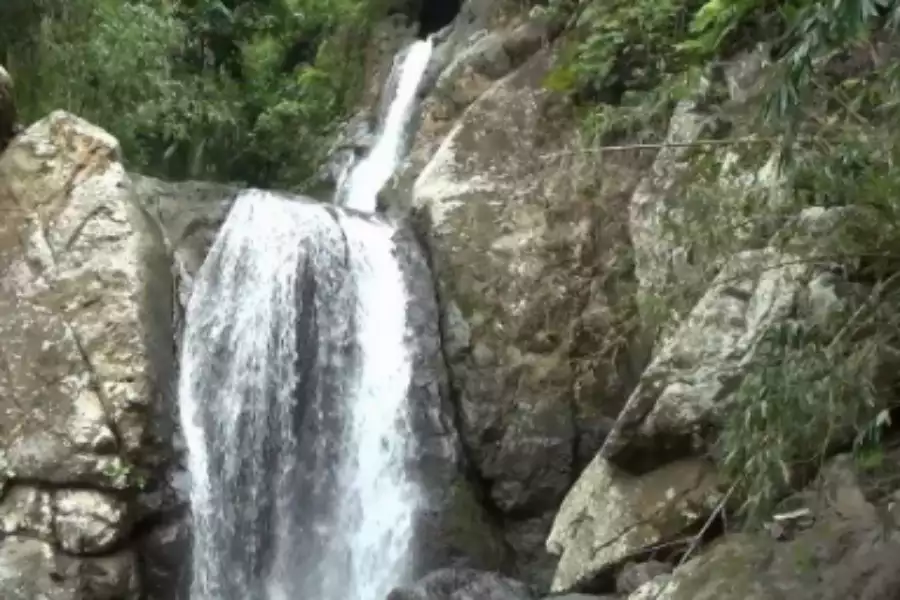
x: 575, y: 461
x: 160, y: 532
x: 161, y: 541
x: 434, y: 15
x: 162, y: 317
x: 419, y: 225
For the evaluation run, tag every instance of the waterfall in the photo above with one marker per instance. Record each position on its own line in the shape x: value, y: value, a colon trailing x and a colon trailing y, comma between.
x: 372, y: 173
x: 293, y: 393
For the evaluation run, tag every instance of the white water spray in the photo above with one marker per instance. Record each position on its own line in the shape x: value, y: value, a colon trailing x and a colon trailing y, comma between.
x: 237, y: 389
x: 293, y: 391
x: 379, y: 500
x: 370, y: 175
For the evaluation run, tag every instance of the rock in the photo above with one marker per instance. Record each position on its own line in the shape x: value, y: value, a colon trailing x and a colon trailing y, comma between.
x: 89, y: 522
x: 184, y: 219
x: 30, y: 570
x: 388, y: 37
x: 634, y: 575
x: 188, y: 215
x: 678, y: 233
x: 524, y: 310
x: 686, y: 390
x: 86, y: 316
x: 527, y: 536
x: 27, y: 511
x: 77, y: 384
x: 653, y: 210
x: 77, y: 521
x: 485, y: 58
x: 463, y: 584
x: 8, y: 117
x: 454, y: 528
x: 743, y: 73
x: 850, y: 552
x: 469, y: 62
x: 354, y: 140
x: 165, y: 550
x: 609, y: 516
x: 582, y: 597
x: 696, y: 368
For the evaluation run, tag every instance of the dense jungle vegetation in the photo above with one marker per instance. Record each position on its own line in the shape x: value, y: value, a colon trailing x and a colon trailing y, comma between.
x: 244, y: 90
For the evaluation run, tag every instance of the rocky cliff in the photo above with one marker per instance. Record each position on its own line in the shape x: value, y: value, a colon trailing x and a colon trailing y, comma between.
x: 576, y: 447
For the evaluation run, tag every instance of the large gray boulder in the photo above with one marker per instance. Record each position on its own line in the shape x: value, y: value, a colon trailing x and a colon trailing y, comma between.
x: 86, y: 301
x: 520, y: 248
x: 610, y: 516
x: 689, y: 386
x: 78, y: 386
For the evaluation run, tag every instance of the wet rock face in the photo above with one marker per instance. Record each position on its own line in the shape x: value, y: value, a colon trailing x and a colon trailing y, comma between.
x: 164, y: 552
x: 189, y: 214
x: 453, y: 528
x: 84, y: 364
x: 464, y: 584
x: 513, y: 227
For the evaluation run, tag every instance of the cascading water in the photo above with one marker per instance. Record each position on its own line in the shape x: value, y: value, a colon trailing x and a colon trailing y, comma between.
x: 293, y: 393
x: 370, y: 175
x: 293, y: 388
x: 239, y: 388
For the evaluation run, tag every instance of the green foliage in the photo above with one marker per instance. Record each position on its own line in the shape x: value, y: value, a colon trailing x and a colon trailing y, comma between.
x: 627, y: 43
x: 122, y: 474
x: 623, y: 62
x: 220, y: 89
x: 802, y: 398
x: 813, y: 389
x: 630, y: 60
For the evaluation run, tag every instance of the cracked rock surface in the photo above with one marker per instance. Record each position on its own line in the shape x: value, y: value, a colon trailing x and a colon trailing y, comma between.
x: 609, y: 516
x: 82, y: 363
x: 513, y: 227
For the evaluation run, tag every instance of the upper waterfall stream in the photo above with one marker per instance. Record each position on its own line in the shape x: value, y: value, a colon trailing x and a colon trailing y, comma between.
x: 293, y: 392
x: 370, y: 175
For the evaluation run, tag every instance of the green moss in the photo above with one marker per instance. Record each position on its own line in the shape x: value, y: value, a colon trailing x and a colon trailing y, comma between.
x: 469, y: 530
